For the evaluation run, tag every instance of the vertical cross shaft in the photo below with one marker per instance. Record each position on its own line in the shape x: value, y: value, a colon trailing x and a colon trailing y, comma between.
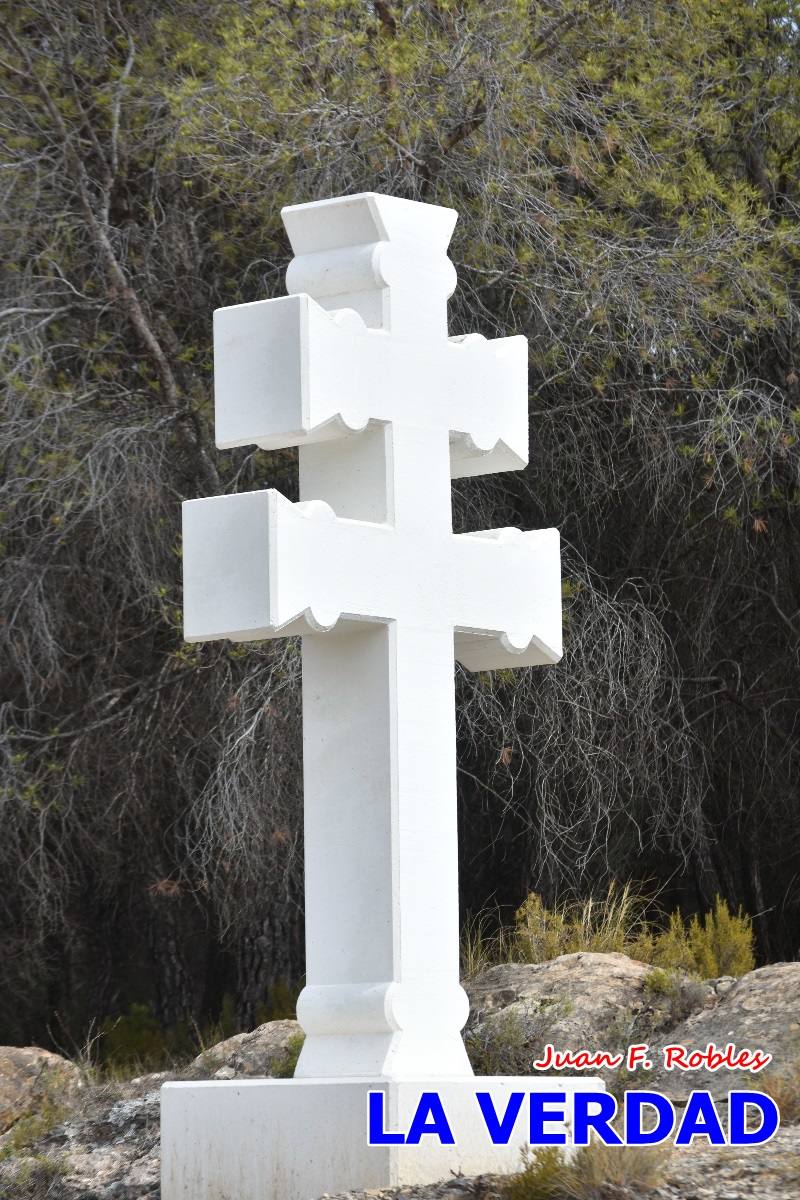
x: 382, y: 911
x: 383, y: 995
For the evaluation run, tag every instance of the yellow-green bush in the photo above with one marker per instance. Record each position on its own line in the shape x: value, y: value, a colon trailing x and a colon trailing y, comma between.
x: 718, y: 943
x: 722, y: 944
x: 667, y: 949
x: 611, y: 923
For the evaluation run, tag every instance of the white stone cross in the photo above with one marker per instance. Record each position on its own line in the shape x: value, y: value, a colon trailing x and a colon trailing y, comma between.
x: 355, y: 367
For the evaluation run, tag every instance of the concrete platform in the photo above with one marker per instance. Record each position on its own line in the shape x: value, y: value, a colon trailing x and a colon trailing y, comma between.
x: 295, y: 1139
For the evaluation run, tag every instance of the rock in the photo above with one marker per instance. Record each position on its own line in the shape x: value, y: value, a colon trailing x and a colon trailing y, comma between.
x: 108, y: 1148
x: 269, y: 1050
x: 759, y: 1011
x: 699, y: 1173
x: 112, y: 1151
x: 30, y: 1079
x: 152, y: 1080
x: 702, y: 1172
x: 768, y: 1172
x: 722, y: 984
x: 482, y: 1187
x: 224, y: 1073
x: 107, y: 1151
x: 576, y: 1001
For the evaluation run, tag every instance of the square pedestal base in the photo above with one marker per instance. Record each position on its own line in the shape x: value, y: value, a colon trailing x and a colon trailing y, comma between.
x: 295, y: 1139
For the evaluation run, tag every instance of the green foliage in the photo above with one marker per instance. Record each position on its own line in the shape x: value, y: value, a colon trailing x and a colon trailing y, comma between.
x: 660, y: 982
x: 506, y: 1044
x: 280, y: 1003
x: 227, y: 1018
x: 505, y: 1048
x: 610, y: 924
x: 286, y: 1067
x: 542, y: 1176
x: 668, y: 948
x: 33, y: 1177
x: 678, y: 992
x: 138, y: 1041
x: 718, y: 943
x: 616, y: 149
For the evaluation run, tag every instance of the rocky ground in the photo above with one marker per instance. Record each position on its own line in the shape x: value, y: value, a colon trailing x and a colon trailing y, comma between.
x: 65, y: 1138
x: 770, y: 1173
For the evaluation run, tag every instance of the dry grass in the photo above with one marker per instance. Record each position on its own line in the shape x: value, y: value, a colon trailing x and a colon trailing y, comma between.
x: 591, y: 1173
x: 595, y: 1169
x: 783, y: 1086
x: 614, y: 922
x: 35, y: 1177
x: 485, y: 942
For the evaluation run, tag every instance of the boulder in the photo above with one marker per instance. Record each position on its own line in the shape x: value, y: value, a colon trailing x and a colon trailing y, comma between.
x: 759, y: 1011
x: 270, y: 1050
x: 32, y: 1079
x: 576, y: 1001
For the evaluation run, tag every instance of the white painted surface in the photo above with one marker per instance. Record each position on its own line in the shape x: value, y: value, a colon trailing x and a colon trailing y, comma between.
x: 360, y: 374
x: 295, y: 1139
x: 288, y: 372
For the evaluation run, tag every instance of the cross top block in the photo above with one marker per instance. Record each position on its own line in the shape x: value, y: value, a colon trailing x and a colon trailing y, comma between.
x: 384, y: 257
x: 370, y: 276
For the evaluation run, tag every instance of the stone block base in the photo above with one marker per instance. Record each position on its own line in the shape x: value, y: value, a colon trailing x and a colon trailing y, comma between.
x: 295, y: 1139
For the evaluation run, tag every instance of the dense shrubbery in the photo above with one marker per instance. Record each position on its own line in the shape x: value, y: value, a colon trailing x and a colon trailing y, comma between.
x: 626, y: 176
x: 720, y: 943
x: 621, y: 922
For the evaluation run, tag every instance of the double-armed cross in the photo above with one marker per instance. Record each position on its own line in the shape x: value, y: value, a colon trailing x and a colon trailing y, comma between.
x: 355, y: 367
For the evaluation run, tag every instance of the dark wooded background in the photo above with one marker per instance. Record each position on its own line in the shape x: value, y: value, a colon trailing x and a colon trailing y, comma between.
x: 627, y: 179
